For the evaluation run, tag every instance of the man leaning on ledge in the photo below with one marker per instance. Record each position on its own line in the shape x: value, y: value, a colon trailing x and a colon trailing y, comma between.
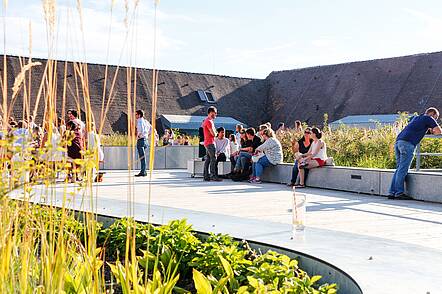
x: 405, y: 145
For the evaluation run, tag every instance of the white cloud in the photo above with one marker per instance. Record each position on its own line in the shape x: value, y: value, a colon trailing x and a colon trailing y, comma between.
x: 136, y: 38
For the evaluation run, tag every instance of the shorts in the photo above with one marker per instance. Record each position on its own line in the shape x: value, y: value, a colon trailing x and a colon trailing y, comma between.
x: 319, y: 161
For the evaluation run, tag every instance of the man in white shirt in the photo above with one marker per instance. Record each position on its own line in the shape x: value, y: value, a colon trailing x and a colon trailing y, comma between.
x: 144, y: 129
x: 222, y: 147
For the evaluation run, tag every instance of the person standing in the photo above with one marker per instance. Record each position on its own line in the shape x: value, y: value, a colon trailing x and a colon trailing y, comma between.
x: 209, y: 143
x: 405, y: 145
x: 237, y: 134
x: 73, y: 116
x: 143, y: 131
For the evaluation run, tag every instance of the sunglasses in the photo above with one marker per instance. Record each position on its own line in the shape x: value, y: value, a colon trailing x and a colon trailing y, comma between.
x: 307, y: 133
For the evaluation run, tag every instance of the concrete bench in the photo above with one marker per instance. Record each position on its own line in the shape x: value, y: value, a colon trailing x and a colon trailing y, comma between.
x: 196, y: 167
x: 425, y: 186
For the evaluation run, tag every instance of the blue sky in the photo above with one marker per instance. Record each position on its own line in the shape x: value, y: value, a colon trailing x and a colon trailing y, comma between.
x: 247, y: 38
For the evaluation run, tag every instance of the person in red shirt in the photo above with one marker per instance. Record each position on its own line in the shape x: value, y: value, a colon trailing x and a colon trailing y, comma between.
x: 209, y: 144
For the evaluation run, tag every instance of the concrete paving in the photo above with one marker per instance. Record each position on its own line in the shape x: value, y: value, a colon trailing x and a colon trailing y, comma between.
x: 387, y: 246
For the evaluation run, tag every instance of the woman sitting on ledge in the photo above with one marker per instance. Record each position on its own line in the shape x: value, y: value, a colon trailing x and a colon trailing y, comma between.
x: 267, y: 154
x: 315, y: 157
x: 299, y: 148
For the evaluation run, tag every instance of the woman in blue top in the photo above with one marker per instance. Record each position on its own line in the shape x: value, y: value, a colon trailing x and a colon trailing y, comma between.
x: 406, y: 142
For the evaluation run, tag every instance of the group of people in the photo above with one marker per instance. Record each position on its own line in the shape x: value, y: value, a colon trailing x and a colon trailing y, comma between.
x: 27, y: 134
x: 169, y: 139
x: 250, y: 152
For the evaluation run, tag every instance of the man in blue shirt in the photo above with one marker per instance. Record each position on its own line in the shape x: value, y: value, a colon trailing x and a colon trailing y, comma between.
x: 406, y: 142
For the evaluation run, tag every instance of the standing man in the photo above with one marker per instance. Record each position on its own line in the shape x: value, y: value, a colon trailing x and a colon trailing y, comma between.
x: 406, y: 142
x: 209, y: 142
x: 144, y: 129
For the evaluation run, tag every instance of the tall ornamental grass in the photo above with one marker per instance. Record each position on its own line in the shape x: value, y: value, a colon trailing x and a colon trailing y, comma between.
x: 368, y: 148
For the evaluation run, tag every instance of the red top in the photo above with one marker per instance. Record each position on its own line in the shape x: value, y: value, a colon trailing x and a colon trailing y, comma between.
x: 208, y: 137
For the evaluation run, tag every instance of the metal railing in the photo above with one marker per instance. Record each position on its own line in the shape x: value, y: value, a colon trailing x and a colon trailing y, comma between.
x: 419, y: 154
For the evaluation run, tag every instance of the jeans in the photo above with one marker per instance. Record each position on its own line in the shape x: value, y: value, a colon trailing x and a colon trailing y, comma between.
x: 295, y: 173
x: 404, y: 156
x: 141, y: 146
x: 232, y: 163
x: 243, y: 159
x: 259, y: 166
x: 210, y: 160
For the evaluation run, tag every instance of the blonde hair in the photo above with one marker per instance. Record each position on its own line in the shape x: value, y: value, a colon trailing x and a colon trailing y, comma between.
x: 268, y: 133
x: 263, y: 127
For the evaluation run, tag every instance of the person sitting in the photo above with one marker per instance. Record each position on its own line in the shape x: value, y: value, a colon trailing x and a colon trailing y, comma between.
x: 315, y: 157
x: 267, y: 154
x: 178, y: 141
x: 245, y: 156
x: 234, y: 147
x: 298, y: 126
x: 234, y: 151
x: 222, y: 147
x: 261, y: 129
x: 165, y: 138
x: 300, y: 148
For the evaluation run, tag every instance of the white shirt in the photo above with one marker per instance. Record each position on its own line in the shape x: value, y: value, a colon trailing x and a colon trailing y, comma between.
x: 82, y: 127
x: 233, y: 147
x: 222, y: 146
x: 322, y: 154
x: 143, y: 128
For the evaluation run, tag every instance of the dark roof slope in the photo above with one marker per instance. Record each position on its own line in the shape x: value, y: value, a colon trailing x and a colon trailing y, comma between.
x: 409, y: 83
x: 241, y: 98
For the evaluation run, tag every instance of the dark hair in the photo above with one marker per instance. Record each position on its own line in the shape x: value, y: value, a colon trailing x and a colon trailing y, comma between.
x: 232, y: 138
x: 71, y: 125
x: 22, y: 124
x: 140, y: 112
x: 251, y: 131
x: 73, y: 112
x: 220, y: 129
x: 298, y: 123
x: 432, y: 110
x: 211, y: 109
x: 281, y: 125
x: 317, y: 132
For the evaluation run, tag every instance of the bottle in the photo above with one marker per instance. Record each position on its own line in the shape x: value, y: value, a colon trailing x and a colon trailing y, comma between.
x: 299, y: 210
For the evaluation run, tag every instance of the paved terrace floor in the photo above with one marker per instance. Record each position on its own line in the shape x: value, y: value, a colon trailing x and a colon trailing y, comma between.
x: 387, y: 246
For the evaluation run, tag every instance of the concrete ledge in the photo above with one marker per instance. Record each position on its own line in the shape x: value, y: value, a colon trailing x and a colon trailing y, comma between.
x: 169, y: 157
x: 426, y: 186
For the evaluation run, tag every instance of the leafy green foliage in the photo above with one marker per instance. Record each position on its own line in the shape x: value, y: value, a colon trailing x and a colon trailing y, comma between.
x: 218, y: 264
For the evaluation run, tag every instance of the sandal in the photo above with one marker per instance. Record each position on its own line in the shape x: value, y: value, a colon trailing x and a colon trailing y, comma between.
x: 299, y: 186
